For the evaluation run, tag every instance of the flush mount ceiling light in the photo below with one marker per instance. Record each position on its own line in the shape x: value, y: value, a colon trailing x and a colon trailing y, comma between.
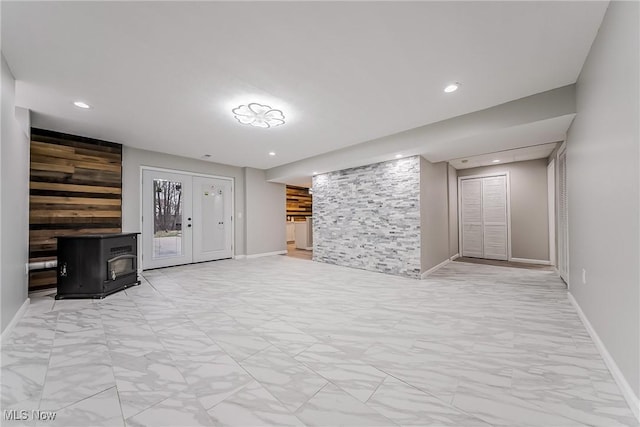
x: 258, y: 115
x: 81, y: 104
x: 452, y: 87
x: 496, y: 161
x: 315, y: 173
x: 398, y: 156
x: 271, y: 153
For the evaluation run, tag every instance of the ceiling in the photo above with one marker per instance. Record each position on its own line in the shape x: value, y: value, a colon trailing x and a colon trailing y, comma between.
x: 516, y: 155
x: 165, y: 76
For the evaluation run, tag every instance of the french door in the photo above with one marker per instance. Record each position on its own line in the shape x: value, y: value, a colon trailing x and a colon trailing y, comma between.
x: 185, y: 218
x: 484, y: 217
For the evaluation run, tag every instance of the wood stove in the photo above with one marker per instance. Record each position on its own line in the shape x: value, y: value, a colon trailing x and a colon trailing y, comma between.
x: 96, y: 265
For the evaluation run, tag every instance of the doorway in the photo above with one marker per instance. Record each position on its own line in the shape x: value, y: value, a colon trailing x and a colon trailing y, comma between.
x: 186, y: 218
x: 484, y: 216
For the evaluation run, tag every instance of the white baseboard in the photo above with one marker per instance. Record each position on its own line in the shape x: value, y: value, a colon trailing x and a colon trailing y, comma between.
x: 16, y: 318
x: 625, y: 388
x: 456, y: 256
x: 531, y: 261
x: 432, y: 269
x: 267, y: 254
x: 239, y: 257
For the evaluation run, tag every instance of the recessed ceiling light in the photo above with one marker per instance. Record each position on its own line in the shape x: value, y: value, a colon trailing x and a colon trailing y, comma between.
x: 315, y: 173
x: 81, y: 104
x: 258, y: 115
x: 452, y: 87
x: 398, y: 156
x: 271, y: 153
x: 496, y: 161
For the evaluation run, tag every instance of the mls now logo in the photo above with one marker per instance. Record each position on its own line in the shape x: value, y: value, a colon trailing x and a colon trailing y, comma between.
x: 24, y: 415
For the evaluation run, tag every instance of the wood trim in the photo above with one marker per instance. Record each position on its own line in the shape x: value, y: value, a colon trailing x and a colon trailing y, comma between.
x: 75, y: 188
x: 299, y: 203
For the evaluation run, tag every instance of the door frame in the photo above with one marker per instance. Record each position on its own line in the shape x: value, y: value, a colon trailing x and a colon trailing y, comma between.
x: 562, y: 151
x: 192, y: 174
x: 486, y: 175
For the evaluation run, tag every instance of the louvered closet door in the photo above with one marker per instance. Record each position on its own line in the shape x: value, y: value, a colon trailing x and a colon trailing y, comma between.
x: 471, y: 196
x: 494, y: 217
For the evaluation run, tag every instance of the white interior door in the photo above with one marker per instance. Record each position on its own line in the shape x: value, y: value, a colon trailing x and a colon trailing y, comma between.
x: 563, y: 218
x: 212, y: 219
x: 471, y: 213
x: 166, y: 207
x: 494, y: 217
x: 551, y: 205
x: 185, y: 218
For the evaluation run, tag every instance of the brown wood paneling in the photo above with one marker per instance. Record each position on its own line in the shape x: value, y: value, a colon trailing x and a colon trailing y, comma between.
x: 299, y: 203
x: 75, y: 188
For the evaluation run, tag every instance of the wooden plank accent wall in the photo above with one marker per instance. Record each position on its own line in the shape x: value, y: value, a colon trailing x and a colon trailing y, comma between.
x: 75, y: 188
x: 299, y: 203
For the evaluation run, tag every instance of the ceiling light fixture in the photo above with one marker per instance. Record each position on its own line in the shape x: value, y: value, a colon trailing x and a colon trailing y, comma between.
x: 81, y: 104
x: 258, y: 115
x: 496, y: 161
x: 271, y: 153
x: 315, y: 173
x: 398, y: 156
x: 452, y: 87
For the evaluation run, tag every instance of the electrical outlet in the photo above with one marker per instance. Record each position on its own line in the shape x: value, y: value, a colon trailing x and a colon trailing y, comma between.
x: 584, y: 276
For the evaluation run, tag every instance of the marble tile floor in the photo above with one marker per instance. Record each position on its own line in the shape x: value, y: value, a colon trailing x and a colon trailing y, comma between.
x: 283, y: 341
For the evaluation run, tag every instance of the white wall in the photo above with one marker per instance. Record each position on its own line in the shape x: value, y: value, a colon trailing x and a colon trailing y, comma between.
x: 529, y: 215
x: 434, y: 214
x: 14, y: 194
x: 603, y: 189
x: 452, y: 178
x: 133, y: 159
x: 265, y: 206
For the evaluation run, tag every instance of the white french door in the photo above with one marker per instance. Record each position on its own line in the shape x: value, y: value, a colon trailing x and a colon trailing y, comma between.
x: 484, y: 217
x: 185, y: 218
x: 211, y: 219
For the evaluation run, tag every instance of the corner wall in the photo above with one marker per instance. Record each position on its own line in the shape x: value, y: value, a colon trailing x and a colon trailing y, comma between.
x: 369, y: 217
x: 14, y: 195
x: 603, y: 190
x: 265, y: 206
x: 529, y: 214
x: 434, y: 213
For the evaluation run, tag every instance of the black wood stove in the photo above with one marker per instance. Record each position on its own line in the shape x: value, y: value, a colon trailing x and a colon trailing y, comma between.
x: 96, y: 265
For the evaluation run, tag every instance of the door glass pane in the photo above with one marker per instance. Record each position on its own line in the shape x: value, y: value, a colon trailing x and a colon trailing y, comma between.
x: 167, y: 218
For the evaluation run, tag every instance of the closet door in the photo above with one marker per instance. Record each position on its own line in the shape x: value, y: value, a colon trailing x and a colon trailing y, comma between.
x: 494, y: 217
x: 471, y: 216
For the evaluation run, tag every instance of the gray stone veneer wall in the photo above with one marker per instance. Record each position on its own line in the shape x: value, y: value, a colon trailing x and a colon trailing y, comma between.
x: 369, y: 217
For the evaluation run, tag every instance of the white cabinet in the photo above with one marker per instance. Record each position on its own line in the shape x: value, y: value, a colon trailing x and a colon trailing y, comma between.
x: 304, y: 234
x: 291, y: 231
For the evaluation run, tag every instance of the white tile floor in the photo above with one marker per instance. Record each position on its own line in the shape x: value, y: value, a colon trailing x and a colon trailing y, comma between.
x: 283, y: 341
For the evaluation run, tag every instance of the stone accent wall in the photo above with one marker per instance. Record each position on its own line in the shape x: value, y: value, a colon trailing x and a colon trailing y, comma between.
x: 369, y: 217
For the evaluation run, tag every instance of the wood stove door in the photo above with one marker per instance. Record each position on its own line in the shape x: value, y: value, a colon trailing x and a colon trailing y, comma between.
x: 166, y: 219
